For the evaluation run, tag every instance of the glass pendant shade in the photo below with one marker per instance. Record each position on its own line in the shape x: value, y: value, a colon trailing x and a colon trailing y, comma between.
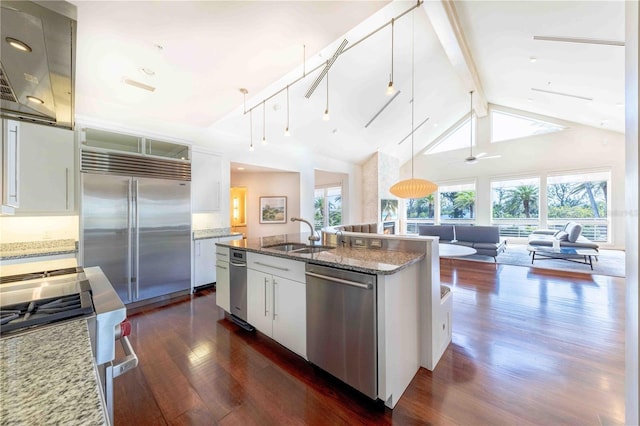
x: 413, y: 188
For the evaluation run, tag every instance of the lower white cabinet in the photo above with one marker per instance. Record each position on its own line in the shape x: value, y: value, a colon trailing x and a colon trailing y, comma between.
x: 204, y: 254
x: 223, y: 289
x: 277, y: 305
x: 204, y: 259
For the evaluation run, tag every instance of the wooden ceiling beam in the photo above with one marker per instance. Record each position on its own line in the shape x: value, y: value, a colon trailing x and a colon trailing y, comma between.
x: 444, y: 18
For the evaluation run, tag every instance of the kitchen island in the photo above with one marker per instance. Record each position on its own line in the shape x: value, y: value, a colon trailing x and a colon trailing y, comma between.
x: 48, y: 376
x: 413, y: 321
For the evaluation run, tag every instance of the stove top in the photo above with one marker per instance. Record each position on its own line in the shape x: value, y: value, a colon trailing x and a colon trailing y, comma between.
x: 43, y: 274
x: 35, y: 299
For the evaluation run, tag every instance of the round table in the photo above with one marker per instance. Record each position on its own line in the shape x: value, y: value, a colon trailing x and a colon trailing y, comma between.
x: 453, y: 250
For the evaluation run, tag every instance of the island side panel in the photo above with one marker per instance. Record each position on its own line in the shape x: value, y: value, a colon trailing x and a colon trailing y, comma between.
x: 431, y: 345
x: 398, y: 332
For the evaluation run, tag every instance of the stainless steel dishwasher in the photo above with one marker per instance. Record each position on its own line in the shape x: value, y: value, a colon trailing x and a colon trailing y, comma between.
x: 341, y: 325
x: 238, y: 286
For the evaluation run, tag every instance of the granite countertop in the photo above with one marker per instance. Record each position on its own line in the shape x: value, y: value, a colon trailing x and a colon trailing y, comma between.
x: 201, y: 234
x: 367, y: 260
x: 48, y: 377
x: 20, y: 250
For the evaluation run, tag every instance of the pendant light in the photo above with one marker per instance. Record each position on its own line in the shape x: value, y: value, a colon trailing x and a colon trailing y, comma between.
x: 325, y: 117
x: 286, y: 130
x: 471, y: 159
x: 264, y: 125
x: 390, y: 89
x: 413, y: 188
x: 251, y: 130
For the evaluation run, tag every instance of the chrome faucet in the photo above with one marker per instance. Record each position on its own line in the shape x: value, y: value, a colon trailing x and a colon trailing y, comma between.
x: 313, y: 237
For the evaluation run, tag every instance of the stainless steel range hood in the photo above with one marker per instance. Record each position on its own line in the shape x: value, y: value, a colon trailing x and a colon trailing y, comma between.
x: 37, y: 58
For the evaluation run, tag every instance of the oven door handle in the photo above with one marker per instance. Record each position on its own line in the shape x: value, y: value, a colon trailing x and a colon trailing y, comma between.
x: 128, y: 362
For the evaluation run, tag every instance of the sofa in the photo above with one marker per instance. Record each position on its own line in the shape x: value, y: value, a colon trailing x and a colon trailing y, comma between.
x: 570, y: 236
x: 367, y: 228
x: 484, y: 239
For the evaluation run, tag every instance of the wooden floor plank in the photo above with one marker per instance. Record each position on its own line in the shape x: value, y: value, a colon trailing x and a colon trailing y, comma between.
x: 530, y: 347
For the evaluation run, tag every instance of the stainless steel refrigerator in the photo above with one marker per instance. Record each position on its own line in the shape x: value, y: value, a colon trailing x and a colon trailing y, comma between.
x: 138, y: 230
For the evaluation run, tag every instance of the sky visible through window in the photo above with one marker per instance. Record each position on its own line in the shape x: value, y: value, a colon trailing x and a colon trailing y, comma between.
x: 505, y: 126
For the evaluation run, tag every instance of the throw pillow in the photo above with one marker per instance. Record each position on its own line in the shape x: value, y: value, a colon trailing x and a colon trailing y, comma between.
x: 562, y: 236
x: 574, y: 232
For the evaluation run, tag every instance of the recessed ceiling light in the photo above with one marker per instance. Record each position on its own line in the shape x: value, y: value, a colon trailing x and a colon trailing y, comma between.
x: 35, y: 100
x: 147, y: 71
x: 17, y: 44
x: 533, y: 59
x: 240, y: 168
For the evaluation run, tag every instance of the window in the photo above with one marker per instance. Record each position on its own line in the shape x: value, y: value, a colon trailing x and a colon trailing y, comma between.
x: 456, y: 138
x: 420, y: 211
x: 514, y: 206
x: 505, y: 126
x: 582, y: 198
x: 328, y: 206
x: 457, y: 203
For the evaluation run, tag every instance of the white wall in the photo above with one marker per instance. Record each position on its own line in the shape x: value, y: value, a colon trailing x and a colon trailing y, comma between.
x: 577, y: 148
x: 15, y: 229
x: 632, y: 46
x: 258, y: 185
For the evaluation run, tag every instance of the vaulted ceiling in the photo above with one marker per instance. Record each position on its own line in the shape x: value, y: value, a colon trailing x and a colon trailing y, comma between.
x: 201, y: 53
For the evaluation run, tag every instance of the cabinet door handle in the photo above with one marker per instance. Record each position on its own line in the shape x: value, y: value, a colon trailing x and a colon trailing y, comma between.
x: 16, y: 175
x: 221, y: 267
x: 273, y: 294
x: 265, y: 297
x: 66, y: 187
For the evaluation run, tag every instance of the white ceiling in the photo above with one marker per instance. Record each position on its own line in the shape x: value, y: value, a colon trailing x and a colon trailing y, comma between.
x: 210, y: 49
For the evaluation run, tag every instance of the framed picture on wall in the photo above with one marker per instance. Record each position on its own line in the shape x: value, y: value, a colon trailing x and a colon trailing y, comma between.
x: 273, y: 209
x: 388, y: 210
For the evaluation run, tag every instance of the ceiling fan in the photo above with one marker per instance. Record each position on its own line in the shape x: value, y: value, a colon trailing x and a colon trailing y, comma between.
x: 472, y: 159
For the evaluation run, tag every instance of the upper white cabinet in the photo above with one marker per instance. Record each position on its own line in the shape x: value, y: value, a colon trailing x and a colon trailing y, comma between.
x: 10, y: 164
x: 206, y: 181
x: 38, y: 169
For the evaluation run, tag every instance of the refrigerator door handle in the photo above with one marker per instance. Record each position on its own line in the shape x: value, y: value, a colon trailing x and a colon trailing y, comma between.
x: 129, y: 237
x: 136, y: 237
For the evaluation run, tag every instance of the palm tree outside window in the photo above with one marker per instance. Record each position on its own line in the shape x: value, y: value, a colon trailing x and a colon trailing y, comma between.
x: 328, y: 207
x: 515, y: 206
x: 457, y: 203
x: 582, y: 198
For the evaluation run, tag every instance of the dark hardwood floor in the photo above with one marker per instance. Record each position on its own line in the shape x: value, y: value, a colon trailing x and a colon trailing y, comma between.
x: 530, y: 347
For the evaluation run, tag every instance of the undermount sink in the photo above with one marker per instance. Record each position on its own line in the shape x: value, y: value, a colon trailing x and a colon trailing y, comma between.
x: 313, y: 249
x: 300, y: 248
x: 285, y: 246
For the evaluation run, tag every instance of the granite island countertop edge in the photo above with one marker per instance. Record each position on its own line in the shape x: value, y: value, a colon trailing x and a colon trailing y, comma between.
x: 353, y: 259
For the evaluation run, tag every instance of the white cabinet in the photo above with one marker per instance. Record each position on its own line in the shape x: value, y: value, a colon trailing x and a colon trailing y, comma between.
x: 223, y: 289
x: 204, y: 255
x: 206, y: 174
x: 204, y: 259
x: 276, y: 300
x: 47, y: 169
x: 10, y: 166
